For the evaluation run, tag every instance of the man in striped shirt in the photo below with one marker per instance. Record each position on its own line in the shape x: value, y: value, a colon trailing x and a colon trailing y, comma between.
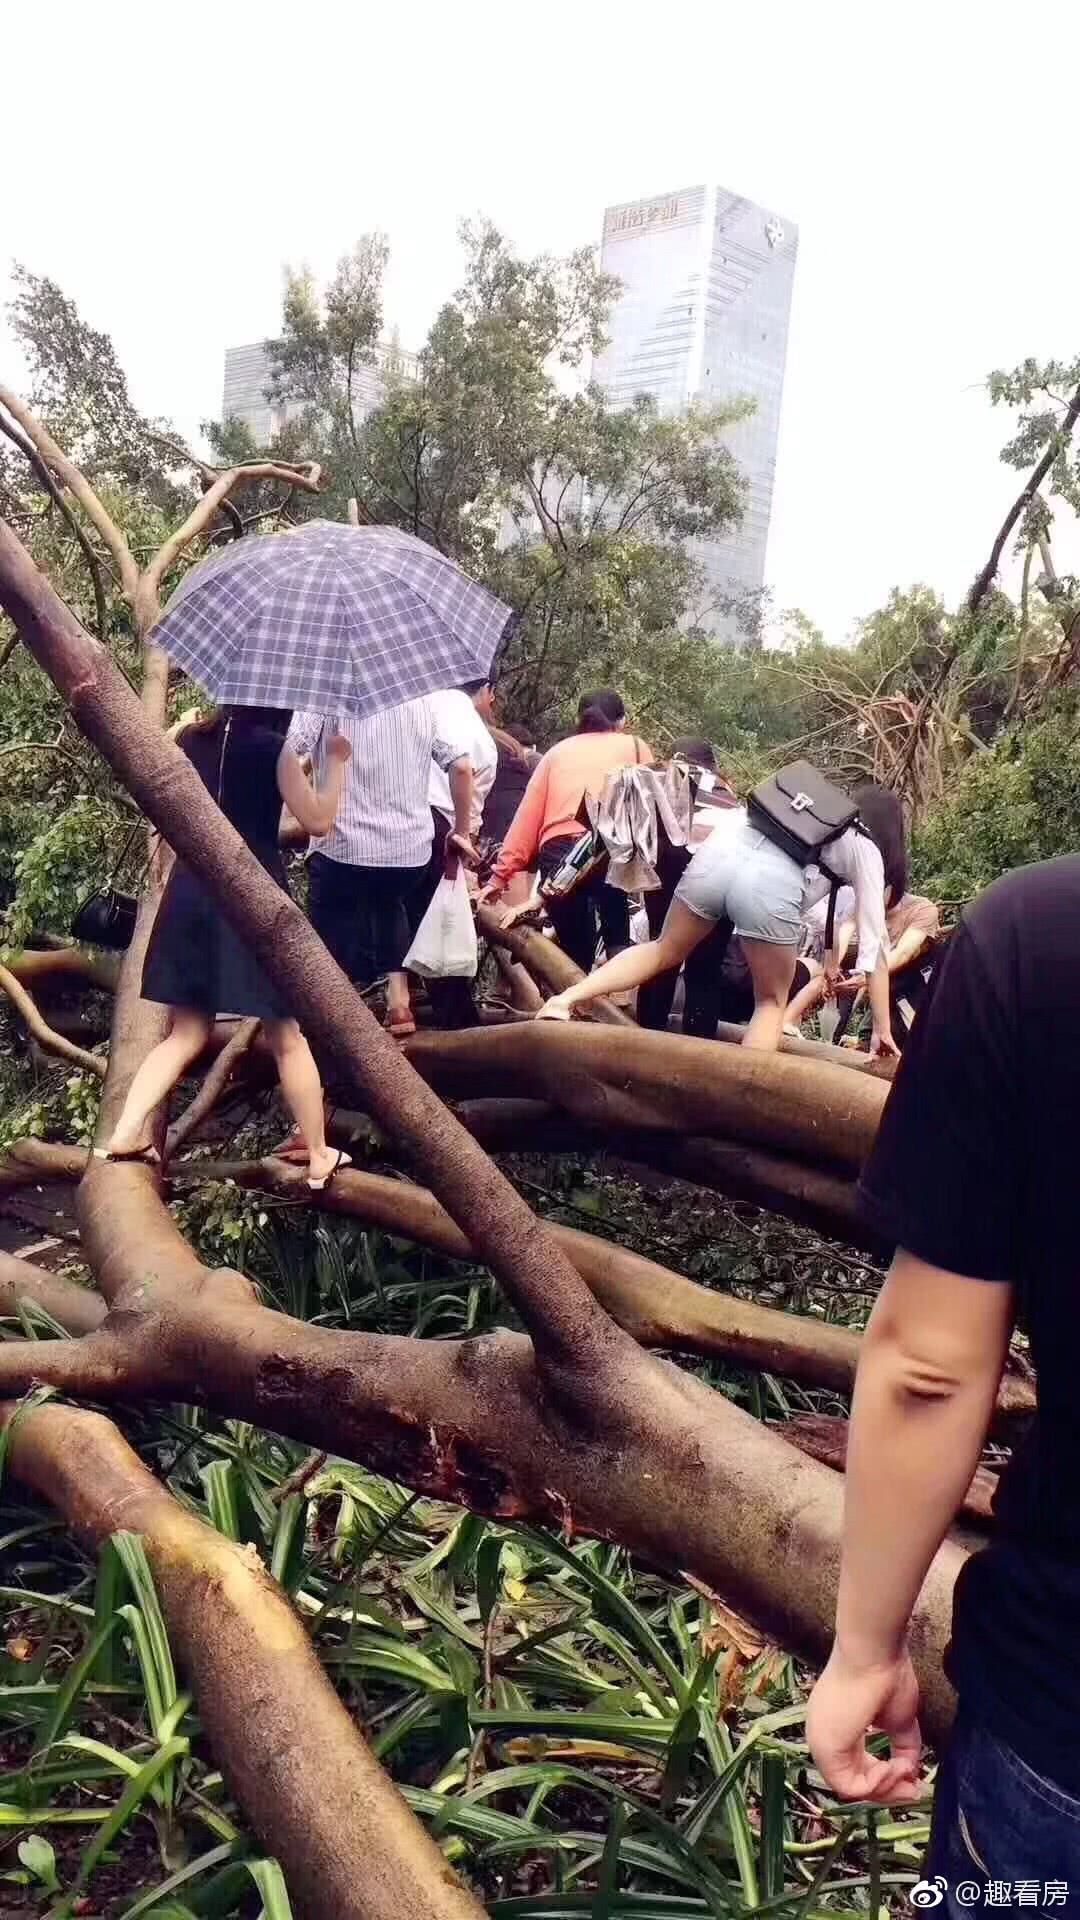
x: 367, y: 875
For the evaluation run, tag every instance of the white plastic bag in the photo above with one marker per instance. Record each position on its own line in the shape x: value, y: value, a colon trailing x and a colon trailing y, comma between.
x: 444, y: 947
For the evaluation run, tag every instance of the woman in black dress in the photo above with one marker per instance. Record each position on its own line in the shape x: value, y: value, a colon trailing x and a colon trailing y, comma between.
x: 196, y: 964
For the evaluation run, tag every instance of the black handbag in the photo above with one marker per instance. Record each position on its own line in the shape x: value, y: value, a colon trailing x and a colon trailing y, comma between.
x: 106, y: 918
x: 803, y: 813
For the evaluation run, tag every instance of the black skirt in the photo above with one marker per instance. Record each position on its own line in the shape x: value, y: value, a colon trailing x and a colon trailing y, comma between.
x: 194, y: 959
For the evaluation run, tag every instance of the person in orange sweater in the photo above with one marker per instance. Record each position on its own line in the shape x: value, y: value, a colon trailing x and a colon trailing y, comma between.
x: 548, y: 822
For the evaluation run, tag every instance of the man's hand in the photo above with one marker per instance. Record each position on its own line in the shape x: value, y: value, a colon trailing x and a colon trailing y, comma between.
x: 488, y: 894
x: 848, y: 1700
x: 339, y: 748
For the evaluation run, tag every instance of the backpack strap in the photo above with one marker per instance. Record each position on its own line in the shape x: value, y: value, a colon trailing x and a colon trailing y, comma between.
x: 830, y: 917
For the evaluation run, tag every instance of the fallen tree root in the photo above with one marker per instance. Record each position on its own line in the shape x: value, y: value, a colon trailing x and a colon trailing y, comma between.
x: 315, y: 1795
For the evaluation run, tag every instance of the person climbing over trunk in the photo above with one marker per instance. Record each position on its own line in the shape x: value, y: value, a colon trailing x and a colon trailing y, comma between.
x: 197, y: 965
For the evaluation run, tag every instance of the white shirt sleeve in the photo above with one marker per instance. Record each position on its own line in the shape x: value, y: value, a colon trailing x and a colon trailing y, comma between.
x: 857, y: 859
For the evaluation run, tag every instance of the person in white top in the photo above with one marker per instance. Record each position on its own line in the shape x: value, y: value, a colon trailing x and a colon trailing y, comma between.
x: 741, y: 878
x: 462, y: 717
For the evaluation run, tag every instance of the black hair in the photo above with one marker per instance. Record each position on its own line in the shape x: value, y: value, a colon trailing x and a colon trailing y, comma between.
x: 700, y: 753
x: 600, y: 712
x: 882, y: 815
x: 473, y: 686
x: 275, y: 720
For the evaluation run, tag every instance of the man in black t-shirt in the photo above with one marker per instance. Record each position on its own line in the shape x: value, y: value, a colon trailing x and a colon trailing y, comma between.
x: 975, y: 1178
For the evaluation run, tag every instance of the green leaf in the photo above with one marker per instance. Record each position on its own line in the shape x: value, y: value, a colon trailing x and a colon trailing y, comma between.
x: 39, y: 1858
x: 612, y: 1602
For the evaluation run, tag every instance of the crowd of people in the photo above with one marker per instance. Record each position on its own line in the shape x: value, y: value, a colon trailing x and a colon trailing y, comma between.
x: 970, y: 1177
x: 731, y: 924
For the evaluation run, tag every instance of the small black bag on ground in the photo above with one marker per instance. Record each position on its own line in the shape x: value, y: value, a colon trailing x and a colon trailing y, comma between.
x: 801, y: 812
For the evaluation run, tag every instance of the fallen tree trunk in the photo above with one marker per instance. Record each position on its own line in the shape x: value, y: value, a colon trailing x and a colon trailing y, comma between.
x: 659, y: 1307
x: 74, y: 1308
x: 667, y: 1467
x: 663, y: 1082
x: 313, y: 1791
x: 825, y: 1437
x: 811, y: 1196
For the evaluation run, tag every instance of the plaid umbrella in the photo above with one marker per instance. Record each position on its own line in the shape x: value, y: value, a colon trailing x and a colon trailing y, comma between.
x: 331, y: 619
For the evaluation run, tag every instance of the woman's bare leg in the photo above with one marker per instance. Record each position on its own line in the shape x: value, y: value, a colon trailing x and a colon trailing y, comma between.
x: 808, y: 998
x: 164, y: 1065
x: 772, y: 970
x: 682, y: 931
x: 302, y: 1089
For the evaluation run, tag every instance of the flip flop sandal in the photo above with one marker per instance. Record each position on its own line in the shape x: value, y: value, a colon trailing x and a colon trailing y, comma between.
x: 136, y: 1156
x: 320, y: 1186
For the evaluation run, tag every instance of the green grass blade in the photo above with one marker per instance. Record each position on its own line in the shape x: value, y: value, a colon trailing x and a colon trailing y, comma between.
x: 109, y: 1590
x: 220, y: 1482
x: 771, y: 1846
x: 270, y: 1881
x: 610, y: 1600
x: 149, y: 1902
x: 287, y: 1557
x: 77, y: 1678
x: 607, y: 1880
x: 128, y: 1804
x: 133, y: 1556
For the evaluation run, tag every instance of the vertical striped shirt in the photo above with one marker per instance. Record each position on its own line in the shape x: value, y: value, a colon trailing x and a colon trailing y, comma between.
x: 384, y: 819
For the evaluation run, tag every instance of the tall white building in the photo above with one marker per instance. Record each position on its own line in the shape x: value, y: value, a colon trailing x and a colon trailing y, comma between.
x: 247, y: 378
x: 703, y: 317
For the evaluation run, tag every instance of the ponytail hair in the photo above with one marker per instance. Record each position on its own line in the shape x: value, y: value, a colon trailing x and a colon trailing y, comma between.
x: 882, y: 814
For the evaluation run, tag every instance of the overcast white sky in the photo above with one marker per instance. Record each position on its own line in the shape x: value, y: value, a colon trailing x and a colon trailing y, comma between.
x: 162, y: 164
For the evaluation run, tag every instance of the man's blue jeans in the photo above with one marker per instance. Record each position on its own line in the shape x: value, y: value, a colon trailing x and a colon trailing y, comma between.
x: 1002, y: 1835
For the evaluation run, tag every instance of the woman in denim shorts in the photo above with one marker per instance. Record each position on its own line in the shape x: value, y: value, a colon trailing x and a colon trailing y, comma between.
x: 742, y: 881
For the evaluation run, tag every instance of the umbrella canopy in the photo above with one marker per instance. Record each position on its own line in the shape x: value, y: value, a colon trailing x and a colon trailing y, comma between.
x: 331, y: 619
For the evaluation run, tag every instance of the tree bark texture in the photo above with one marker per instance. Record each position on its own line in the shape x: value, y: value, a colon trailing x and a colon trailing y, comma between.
x: 314, y: 1793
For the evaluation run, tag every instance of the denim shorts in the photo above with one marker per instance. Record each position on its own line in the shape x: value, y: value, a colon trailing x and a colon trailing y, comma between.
x: 998, y: 1824
x: 740, y: 876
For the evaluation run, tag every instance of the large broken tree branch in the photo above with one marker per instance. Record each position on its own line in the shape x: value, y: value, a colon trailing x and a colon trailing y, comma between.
x: 315, y: 1794
x: 78, y: 485
x: 46, y: 1036
x: 985, y: 578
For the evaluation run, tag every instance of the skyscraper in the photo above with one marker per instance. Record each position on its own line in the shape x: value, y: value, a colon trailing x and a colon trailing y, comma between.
x: 702, y: 318
x: 247, y: 377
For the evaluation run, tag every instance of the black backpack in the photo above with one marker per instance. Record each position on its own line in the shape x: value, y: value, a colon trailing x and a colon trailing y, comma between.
x: 803, y: 813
